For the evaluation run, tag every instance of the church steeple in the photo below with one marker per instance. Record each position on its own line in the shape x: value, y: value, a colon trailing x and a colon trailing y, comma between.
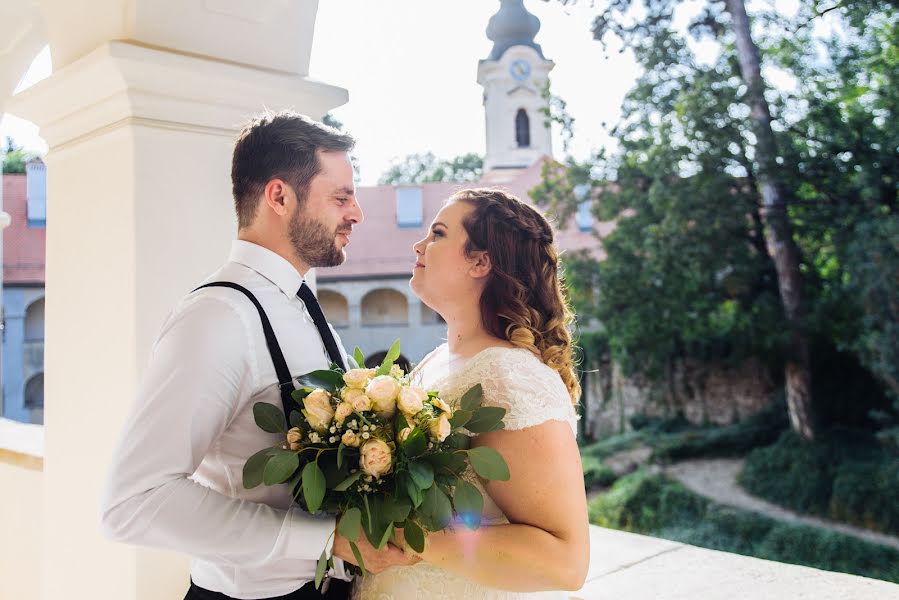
x: 513, y: 25
x: 513, y: 77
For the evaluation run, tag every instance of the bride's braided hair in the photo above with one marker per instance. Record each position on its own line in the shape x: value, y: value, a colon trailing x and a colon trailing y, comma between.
x: 523, y: 301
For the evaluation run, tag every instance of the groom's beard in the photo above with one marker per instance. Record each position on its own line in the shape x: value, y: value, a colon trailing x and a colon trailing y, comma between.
x: 313, y: 243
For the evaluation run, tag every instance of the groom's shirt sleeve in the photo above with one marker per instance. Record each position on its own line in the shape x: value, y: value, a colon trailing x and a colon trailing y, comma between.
x: 201, y: 372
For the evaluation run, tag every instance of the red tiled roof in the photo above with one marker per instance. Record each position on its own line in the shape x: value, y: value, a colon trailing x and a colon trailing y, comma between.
x: 380, y: 248
x: 24, y: 248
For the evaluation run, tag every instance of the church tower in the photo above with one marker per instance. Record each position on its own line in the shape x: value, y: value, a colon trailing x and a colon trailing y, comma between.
x: 513, y: 77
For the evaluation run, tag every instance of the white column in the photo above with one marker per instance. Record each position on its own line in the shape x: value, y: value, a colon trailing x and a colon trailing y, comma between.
x: 139, y: 211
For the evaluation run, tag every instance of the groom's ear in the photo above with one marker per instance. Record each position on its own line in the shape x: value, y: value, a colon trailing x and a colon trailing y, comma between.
x: 481, y: 265
x: 276, y: 194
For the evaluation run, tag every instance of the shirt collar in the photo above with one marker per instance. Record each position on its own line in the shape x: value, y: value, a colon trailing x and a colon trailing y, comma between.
x: 270, y: 265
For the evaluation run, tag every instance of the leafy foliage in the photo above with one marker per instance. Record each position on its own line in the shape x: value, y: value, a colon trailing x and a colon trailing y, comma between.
x: 425, y: 168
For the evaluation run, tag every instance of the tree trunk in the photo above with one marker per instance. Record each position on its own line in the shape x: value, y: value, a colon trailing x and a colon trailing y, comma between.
x: 778, y: 234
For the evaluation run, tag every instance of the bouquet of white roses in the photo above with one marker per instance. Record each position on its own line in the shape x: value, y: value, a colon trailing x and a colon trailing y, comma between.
x: 370, y: 446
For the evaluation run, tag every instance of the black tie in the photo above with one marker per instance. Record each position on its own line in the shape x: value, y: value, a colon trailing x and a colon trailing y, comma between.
x: 318, y: 317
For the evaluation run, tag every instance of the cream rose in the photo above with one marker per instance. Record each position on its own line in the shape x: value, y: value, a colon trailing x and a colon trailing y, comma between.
x: 375, y: 458
x: 357, y: 378
x: 411, y: 400
x: 349, y: 438
x: 318, y: 410
x: 440, y: 428
x: 441, y: 405
x: 383, y: 391
x: 344, y: 409
x: 403, y: 435
x: 357, y: 399
x: 294, y: 436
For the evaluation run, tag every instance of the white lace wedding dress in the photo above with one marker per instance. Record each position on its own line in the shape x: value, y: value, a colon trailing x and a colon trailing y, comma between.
x: 531, y: 393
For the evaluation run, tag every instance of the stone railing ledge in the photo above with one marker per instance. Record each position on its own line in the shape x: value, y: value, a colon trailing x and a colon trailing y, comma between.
x: 636, y: 567
x: 22, y: 444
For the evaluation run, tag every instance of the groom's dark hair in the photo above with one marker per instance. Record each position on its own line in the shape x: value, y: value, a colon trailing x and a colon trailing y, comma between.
x: 279, y: 145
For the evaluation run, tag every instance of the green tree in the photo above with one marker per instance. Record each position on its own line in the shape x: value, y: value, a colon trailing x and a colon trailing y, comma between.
x: 689, y: 271
x: 15, y: 158
x: 424, y: 168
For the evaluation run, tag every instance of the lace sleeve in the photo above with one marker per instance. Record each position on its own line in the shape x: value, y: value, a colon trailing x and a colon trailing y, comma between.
x: 531, y: 392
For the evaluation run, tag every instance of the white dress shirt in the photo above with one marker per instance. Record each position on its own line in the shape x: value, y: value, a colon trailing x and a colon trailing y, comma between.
x: 176, y: 476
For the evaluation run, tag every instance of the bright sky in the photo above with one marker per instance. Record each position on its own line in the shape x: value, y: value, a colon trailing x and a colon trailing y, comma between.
x: 411, y: 71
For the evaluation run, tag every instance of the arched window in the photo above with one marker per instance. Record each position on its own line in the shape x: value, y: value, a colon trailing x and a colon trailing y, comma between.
x: 34, y: 392
x: 34, y: 321
x: 335, y: 307
x: 385, y: 307
x: 522, y: 129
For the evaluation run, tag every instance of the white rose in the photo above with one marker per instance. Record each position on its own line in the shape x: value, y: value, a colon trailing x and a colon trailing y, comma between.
x: 357, y: 399
x: 440, y: 428
x: 411, y: 400
x: 344, y: 409
x: 375, y: 458
x: 349, y: 438
x: 383, y: 391
x: 357, y: 378
x: 318, y: 410
x: 439, y: 403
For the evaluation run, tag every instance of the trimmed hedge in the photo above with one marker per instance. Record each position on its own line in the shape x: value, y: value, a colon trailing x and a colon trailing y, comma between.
x: 597, y: 474
x: 844, y: 475
x: 655, y: 505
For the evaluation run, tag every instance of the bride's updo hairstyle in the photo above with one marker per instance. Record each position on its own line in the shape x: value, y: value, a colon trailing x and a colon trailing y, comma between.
x: 523, y: 301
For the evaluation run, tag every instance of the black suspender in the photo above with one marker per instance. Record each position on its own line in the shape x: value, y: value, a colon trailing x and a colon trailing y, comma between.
x: 284, y: 378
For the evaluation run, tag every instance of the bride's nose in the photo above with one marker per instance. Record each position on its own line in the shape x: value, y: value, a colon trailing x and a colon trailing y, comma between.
x: 417, y: 247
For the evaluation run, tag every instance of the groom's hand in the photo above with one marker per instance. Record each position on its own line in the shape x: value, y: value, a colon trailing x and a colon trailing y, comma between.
x: 375, y: 560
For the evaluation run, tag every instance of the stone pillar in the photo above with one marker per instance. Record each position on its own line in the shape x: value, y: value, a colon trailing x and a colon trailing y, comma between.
x: 13, y: 368
x: 414, y: 309
x: 139, y: 210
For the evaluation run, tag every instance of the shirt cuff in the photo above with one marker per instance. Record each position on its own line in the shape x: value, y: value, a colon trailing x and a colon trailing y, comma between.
x: 309, y: 534
x: 339, y: 570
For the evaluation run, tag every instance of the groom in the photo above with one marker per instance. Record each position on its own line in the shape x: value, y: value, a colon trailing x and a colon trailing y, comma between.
x: 176, y: 476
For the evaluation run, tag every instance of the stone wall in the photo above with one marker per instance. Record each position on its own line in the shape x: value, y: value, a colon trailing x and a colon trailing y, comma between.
x: 703, y: 393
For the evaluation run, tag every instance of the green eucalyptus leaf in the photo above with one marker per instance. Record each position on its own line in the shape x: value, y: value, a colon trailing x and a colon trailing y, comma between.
x: 340, y: 450
x: 460, y: 418
x: 255, y: 467
x: 269, y: 417
x: 350, y: 524
x: 346, y: 483
x: 488, y: 463
x: 436, y: 505
x: 471, y: 400
x: 415, y: 537
x: 459, y: 441
x: 313, y: 486
x: 469, y: 504
x: 486, y: 418
x: 320, y: 569
x: 392, y: 355
x: 385, y: 536
x: 297, y: 420
x: 395, y: 510
x: 415, y: 444
x: 323, y: 378
x: 280, y: 467
x: 422, y: 474
x: 450, y: 461
x: 358, y: 556
x: 359, y: 357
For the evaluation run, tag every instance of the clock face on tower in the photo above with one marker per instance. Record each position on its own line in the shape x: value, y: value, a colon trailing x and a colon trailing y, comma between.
x: 520, y: 69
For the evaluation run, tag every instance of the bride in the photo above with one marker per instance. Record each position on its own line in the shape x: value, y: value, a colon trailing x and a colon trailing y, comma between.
x: 489, y: 268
